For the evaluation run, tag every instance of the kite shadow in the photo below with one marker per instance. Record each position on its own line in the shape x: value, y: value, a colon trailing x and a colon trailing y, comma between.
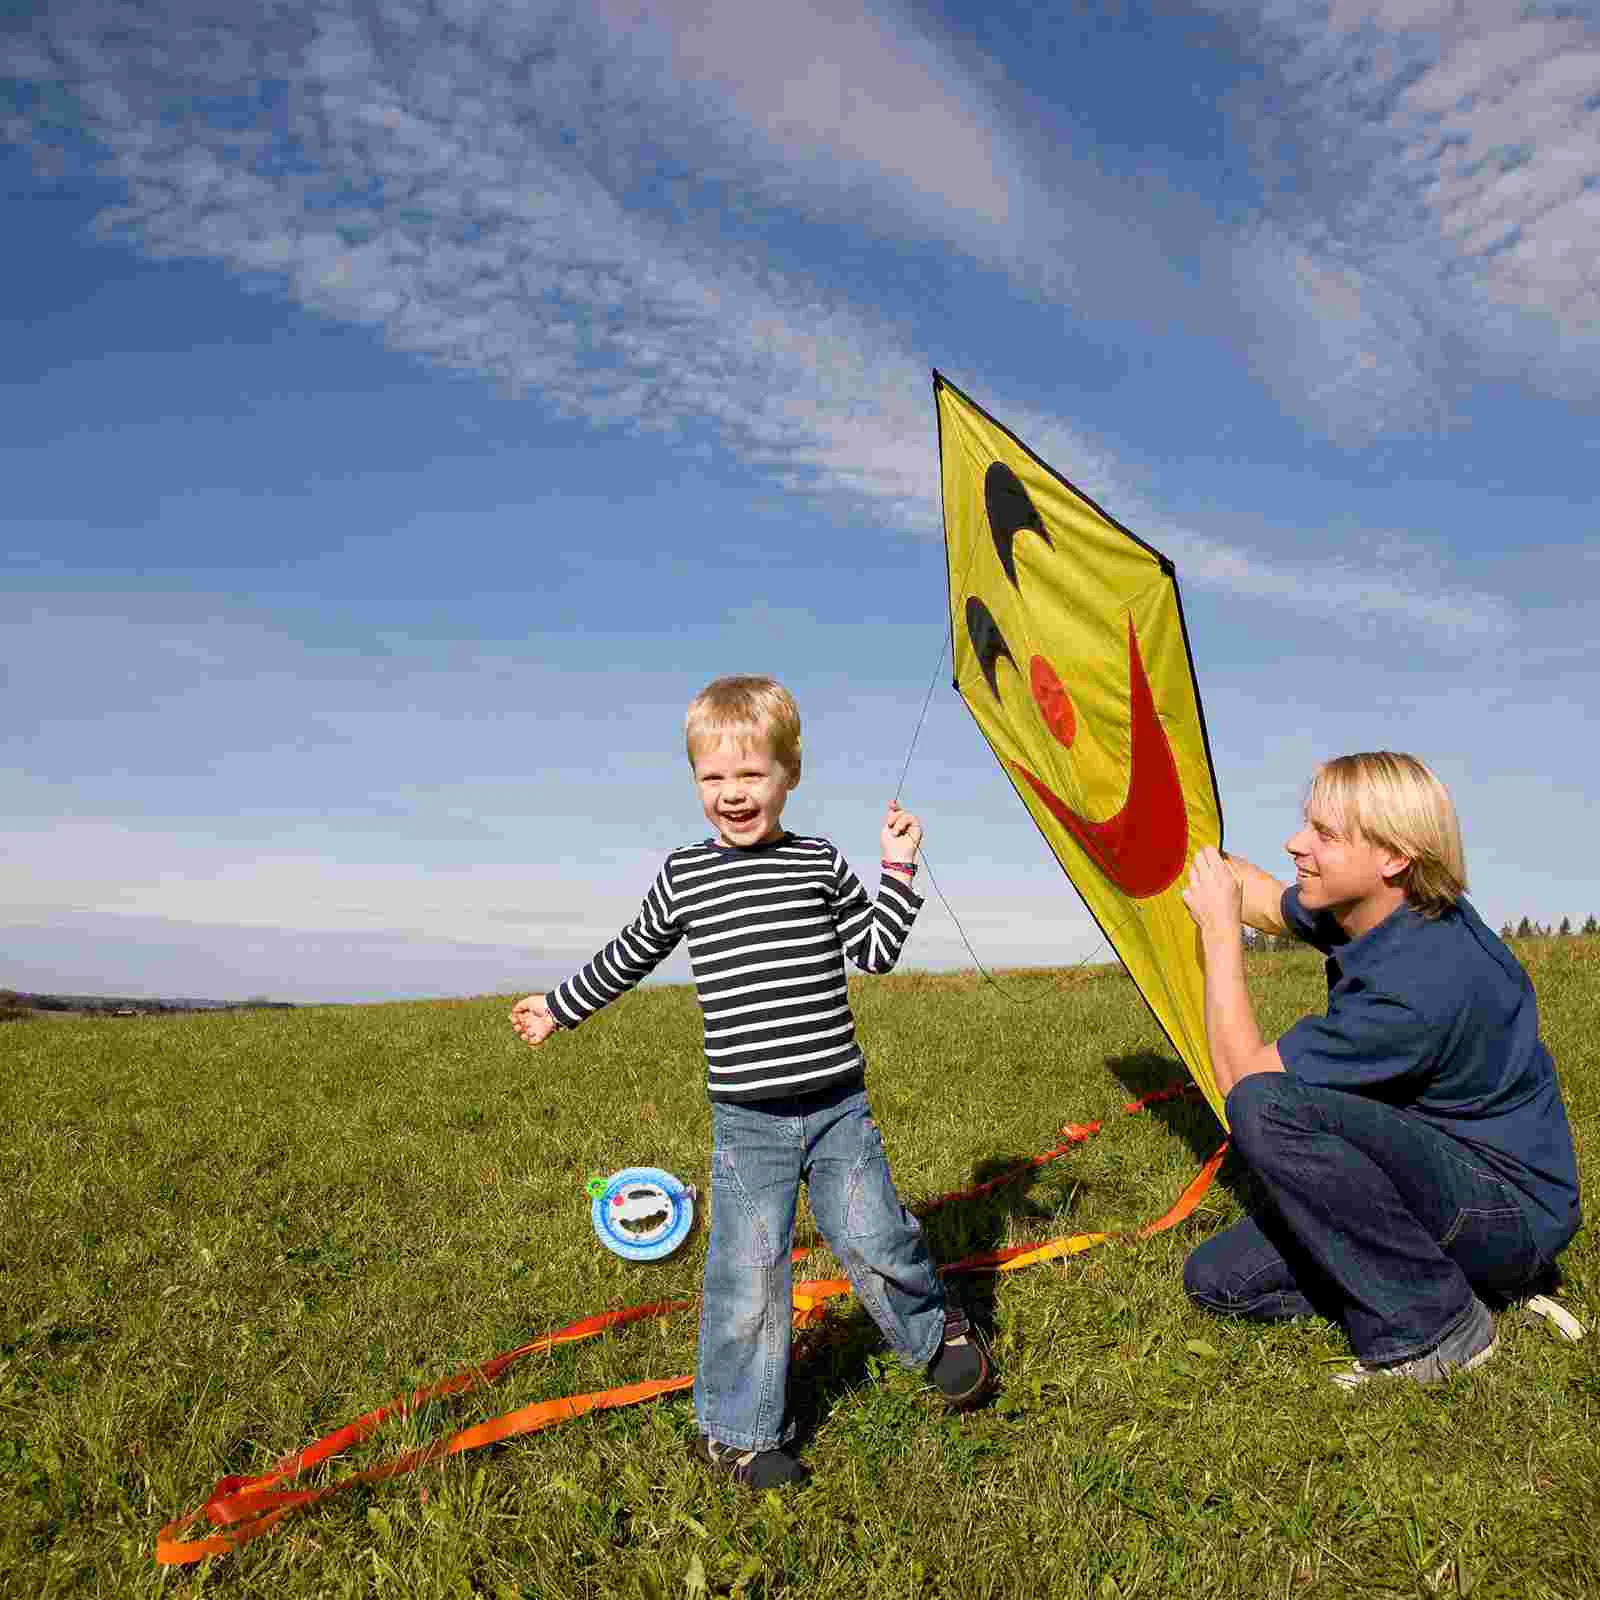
x: 1189, y: 1119
x: 1039, y: 1202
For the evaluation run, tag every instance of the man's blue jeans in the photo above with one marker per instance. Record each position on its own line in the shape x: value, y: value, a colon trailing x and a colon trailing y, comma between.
x: 760, y: 1153
x: 1375, y: 1219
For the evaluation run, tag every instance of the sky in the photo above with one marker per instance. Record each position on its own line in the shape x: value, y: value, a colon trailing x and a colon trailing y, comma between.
x: 409, y: 404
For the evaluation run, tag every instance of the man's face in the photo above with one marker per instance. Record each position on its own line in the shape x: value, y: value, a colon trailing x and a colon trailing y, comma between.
x: 742, y: 789
x: 1337, y: 869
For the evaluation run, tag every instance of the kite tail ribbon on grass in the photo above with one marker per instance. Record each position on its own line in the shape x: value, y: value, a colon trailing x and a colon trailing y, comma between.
x: 1027, y: 1255
x: 246, y: 1507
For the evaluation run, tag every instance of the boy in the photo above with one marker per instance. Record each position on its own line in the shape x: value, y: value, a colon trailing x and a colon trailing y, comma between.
x: 769, y: 916
x: 1412, y: 1143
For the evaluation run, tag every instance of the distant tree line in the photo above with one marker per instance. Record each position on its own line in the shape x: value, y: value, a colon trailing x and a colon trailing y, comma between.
x: 1527, y: 928
x: 14, y: 1004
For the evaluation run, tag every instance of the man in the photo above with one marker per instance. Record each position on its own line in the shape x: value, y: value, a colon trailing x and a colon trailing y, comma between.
x: 1412, y: 1143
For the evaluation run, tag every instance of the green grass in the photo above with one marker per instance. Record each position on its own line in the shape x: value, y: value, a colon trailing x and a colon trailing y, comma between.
x: 222, y: 1236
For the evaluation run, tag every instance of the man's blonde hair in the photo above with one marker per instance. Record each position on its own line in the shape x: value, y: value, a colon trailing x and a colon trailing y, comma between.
x: 1394, y: 802
x: 748, y: 709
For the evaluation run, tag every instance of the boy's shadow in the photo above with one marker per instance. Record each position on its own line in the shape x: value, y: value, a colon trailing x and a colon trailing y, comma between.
x: 830, y: 1359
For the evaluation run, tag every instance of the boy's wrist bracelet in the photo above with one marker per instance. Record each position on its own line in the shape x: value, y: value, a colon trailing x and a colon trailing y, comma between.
x: 907, y: 867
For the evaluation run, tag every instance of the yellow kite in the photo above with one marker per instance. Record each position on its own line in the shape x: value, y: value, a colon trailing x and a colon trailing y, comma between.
x: 1071, y: 654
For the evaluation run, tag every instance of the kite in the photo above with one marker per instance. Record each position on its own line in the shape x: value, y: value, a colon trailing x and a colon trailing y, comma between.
x: 1070, y: 651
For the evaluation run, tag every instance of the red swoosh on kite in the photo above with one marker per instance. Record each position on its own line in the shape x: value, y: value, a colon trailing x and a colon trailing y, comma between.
x: 1142, y: 847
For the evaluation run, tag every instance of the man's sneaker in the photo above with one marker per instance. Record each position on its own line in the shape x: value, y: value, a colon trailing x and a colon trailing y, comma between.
x: 1555, y: 1317
x: 1468, y: 1346
x: 754, y: 1469
x: 963, y: 1369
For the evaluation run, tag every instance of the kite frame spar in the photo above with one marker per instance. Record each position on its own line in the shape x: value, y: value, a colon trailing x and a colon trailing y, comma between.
x: 1168, y: 571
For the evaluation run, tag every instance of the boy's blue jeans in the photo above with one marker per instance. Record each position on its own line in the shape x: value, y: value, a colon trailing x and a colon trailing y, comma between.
x: 760, y: 1152
x: 1376, y: 1220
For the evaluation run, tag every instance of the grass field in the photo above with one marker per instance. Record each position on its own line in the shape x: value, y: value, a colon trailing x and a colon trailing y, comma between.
x: 223, y: 1236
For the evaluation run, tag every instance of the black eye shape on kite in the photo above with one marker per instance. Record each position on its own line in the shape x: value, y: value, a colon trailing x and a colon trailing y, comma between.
x: 1010, y: 512
x: 987, y: 642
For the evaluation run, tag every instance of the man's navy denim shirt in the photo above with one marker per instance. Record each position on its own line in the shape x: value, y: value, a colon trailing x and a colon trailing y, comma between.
x: 1434, y: 1015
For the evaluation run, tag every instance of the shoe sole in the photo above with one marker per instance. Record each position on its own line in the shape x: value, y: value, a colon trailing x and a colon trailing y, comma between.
x: 1557, y: 1318
x: 1350, y: 1381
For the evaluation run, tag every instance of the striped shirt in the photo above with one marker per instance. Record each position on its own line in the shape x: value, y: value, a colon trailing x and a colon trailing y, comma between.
x: 768, y: 928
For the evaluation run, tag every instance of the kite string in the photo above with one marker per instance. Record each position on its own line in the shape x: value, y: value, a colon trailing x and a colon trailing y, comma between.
x: 916, y: 732
x: 1021, y: 1000
x: 927, y: 699
x: 905, y: 767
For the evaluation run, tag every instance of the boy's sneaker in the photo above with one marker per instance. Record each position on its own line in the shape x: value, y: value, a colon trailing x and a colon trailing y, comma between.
x: 963, y: 1369
x: 1468, y: 1346
x: 754, y: 1469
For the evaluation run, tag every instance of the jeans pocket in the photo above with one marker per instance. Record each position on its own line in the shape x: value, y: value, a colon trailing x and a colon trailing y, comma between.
x: 1493, y: 1246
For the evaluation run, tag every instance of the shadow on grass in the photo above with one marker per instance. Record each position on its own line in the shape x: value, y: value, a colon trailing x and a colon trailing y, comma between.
x: 833, y: 1358
x: 1189, y: 1119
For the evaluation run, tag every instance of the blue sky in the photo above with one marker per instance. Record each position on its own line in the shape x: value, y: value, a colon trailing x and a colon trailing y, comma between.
x: 409, y: 405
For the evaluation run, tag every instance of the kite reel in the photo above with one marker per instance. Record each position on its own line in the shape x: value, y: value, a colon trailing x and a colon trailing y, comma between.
x: 641, y: 1213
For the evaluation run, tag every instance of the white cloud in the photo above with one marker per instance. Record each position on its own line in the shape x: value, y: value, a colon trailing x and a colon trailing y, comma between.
x: 166, y: 958
x: 1333, y: 340
x: 842, y: 98
x: 1444, y: 220
x: 1359, y: 593
x: 187, y: 708
x: 87, y: 895
x: 109, y: 868
x: 411, y: 178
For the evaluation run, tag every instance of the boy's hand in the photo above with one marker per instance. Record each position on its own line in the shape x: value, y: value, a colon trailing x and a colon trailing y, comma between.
x: 531, y: 1018
x: 902, y: 834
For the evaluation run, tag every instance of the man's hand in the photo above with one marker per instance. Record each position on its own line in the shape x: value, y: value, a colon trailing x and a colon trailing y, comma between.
x: 902, y: 834
x: 532, y: 1019
x: 1214, y: 895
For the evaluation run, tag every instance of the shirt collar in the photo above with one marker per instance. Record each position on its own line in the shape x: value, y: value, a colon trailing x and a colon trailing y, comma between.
x: 1374, y: 947
x: 714, y: 843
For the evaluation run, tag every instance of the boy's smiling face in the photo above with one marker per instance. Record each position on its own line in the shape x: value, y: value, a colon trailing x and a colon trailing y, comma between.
x: 742, y: 787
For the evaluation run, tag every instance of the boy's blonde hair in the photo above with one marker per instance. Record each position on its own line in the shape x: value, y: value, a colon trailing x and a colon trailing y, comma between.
x: 1394, y: 802
x: 756, y: 709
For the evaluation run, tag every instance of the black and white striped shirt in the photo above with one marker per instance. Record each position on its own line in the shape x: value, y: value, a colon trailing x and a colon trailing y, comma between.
x: 768, y: 928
